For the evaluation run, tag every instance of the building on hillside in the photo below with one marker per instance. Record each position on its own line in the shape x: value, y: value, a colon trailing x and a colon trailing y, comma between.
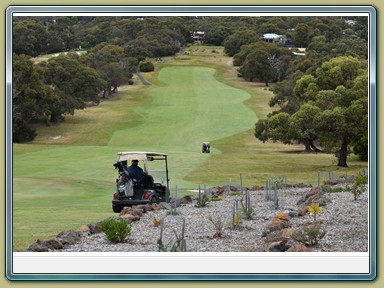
x: 272, y: 37
x: 278, y: 39
x: 198, y: 35
x: 351, y: 22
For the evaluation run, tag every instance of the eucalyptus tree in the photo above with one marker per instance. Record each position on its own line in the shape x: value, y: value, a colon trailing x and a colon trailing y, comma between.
x: 332, y: 109
x: 73, y: 83
x: 233, y: 43
x: 29, y: 37
x: 32, y: 99
x: 112, y: 64
x: 263, y: 62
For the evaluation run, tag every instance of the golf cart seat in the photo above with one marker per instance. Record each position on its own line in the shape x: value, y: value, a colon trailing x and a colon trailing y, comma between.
x: 146, y: 182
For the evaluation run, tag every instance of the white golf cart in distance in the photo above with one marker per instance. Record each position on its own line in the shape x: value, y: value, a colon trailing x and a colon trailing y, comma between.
x: 153, y: 187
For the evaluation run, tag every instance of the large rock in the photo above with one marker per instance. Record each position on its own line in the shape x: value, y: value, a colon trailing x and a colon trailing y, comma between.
x: 54, y: 244
x: 278, y: 246
x: 299, y: 248
x: 39, y: 246
x: 94, y: 228
x: 315, y: 195
x: 130, y: 217
x: 276, y: 225
x: 69, y: 237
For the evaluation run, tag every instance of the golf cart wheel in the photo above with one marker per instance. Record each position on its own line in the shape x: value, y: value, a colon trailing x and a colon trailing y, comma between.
x: 117, y: 209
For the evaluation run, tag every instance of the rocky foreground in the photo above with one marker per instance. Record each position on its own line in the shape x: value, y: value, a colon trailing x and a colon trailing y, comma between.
x: 270, y: 228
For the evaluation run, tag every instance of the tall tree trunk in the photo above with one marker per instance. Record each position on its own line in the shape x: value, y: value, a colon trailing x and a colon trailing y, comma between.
x: 307, y: 145
x: 55, y: 117
x: 314, y: 148
x: 343, y: 152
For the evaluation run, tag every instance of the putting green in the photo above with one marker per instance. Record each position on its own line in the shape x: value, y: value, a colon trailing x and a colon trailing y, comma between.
x: 189, y: 108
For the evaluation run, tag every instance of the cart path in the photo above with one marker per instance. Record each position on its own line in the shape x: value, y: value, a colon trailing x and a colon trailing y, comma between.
x: 145, y: 82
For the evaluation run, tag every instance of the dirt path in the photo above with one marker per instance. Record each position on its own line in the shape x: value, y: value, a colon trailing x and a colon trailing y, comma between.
x: 145, y: 82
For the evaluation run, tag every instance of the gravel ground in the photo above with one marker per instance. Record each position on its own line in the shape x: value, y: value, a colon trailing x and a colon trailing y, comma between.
x: 345, y: 221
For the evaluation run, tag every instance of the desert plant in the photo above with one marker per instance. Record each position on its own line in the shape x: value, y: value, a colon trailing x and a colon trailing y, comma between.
x: 214, y: 199
x: 179, y: 243
x: 358, y: 186
x: 246, y: 208
x: 202, y: 201
x: 276, y: 203
x: 310, y: 235
x: 315, y: 209
x: 218, y: 224
x: 156, y: 222
x: 236, y: 221
x: 115, y: 230
x: 172, y: 212
x: 236, y: 193
x: 277, y: 182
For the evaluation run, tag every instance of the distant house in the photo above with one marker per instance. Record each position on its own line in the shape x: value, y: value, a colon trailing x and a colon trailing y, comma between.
x: 278, y: 39
x: 350, y: 22
x: 272, y: 37
x: 198, y: 35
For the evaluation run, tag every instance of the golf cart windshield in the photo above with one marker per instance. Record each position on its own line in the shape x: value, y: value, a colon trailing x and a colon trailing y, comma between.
x: 158, y: 169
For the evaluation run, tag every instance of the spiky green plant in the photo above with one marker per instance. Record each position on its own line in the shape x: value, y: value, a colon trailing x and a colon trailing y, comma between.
x: 218, y: 224
x: 115, y: 230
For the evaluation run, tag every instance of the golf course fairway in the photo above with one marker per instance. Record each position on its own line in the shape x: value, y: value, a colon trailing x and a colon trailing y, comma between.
x: 189, y: 108
x: 62, y: 186
x: 65, y: 178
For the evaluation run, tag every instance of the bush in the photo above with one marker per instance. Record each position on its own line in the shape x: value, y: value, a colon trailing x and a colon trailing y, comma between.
x: 358, y: 186
x: 309, y: 235
x: 202, y: 201
x: 130, y: 82
x: 219, y: 225
x: 146, y: 67
x: 115, y: 230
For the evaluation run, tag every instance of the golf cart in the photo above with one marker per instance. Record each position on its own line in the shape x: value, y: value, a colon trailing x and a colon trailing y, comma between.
x: 152, y: 187
x: 206, y: 147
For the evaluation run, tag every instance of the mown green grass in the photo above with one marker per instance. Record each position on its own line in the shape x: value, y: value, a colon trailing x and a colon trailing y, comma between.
x: 61, y: 183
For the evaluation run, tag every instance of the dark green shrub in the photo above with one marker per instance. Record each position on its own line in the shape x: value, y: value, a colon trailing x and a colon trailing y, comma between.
x: 146, y: 67
x: 115, y: 230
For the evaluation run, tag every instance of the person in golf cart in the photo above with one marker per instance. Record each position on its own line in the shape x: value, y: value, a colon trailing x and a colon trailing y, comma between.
x: 135, y: 171
x: 139, y: 176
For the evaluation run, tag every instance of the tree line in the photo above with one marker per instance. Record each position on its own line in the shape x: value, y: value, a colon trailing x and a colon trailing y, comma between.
x: 313, y: 92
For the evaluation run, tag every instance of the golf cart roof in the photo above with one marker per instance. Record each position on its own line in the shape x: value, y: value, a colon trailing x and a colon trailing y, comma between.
x: 138, y: 155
